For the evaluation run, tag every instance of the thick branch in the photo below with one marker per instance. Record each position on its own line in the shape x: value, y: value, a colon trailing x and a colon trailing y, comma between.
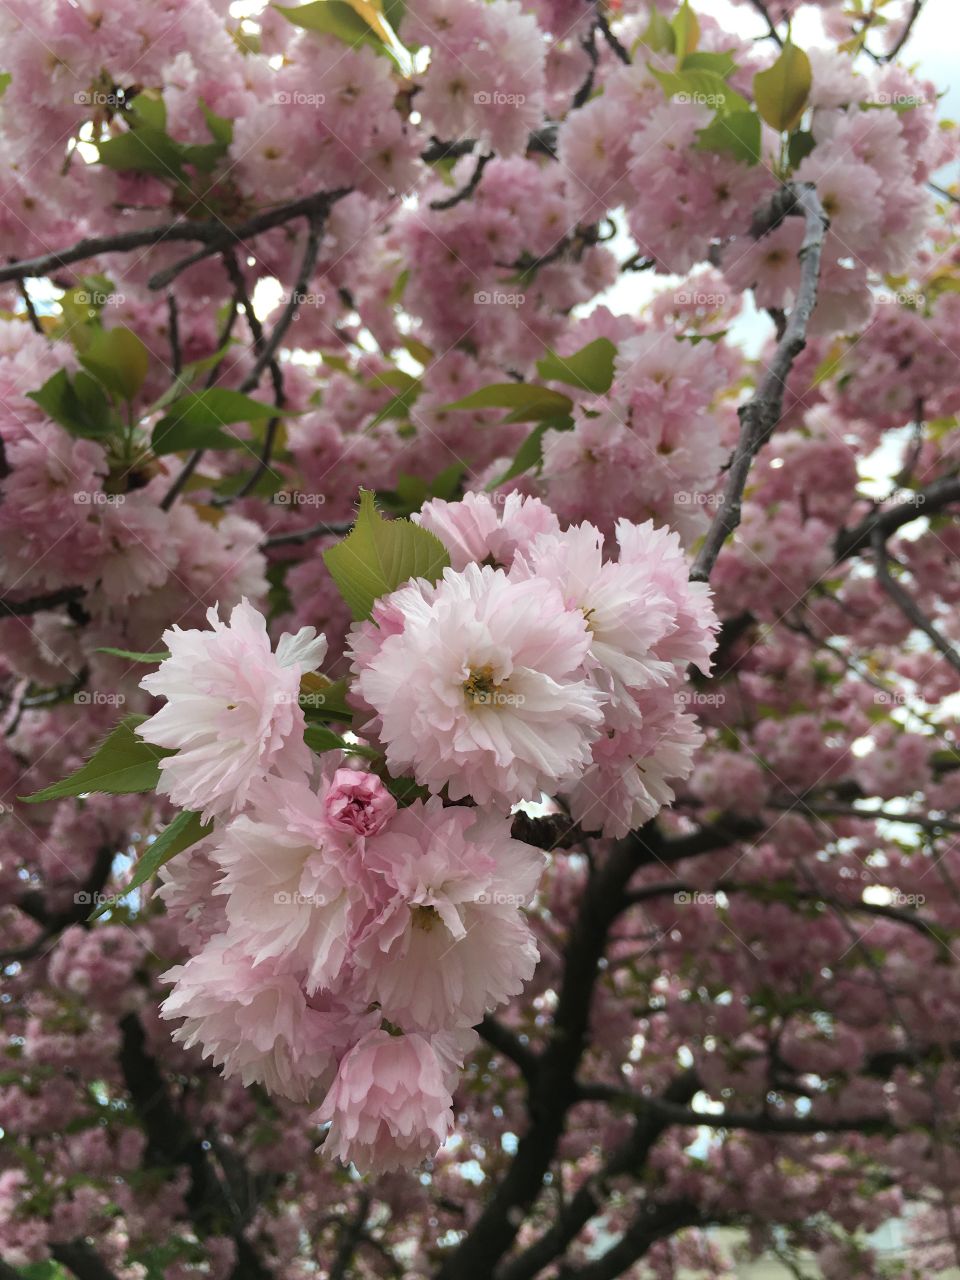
x: 37, y: 604
x: 215, y: 236
x: 555, y: 1089
x: 760, y: 415
x: 887, y: 520
x: 82, y: 1260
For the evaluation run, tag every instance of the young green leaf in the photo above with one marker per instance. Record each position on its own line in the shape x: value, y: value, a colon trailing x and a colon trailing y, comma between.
x: 118, y: 359
x: 80, y: 406
x: 529, y: 402
x: 686, y: 30
x: 781, y: 92
x: 132, y: 656
x: 332, y: 18
x: 659, y: 36
x: 186, y: 829
x: 196, y: 419
x: 123, y: 763
x: 705, y: 88
x: 378, y: 555
x: 739, y: 133
x: 144, y: 150
x: 589, y: 369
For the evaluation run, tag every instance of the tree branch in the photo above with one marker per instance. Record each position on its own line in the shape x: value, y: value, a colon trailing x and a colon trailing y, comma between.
x: 37, y: 604
x: 887, y: 520
x: 466, y: 191
x: 905, y: 602
x: 760, y: 415
x: 82, y: 1259
x: 214, y: 236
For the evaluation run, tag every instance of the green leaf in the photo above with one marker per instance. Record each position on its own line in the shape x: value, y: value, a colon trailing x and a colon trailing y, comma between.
x: 405, y: 790
x: 659, y: 35
x: 378, y: 555
x: 529, y: 402
x: 589, y: 369
x: 133, y: 656
x: 144, y: 150
x: 186, y: 829
x: 319, y: 739
x: 720, y: 63
x: 221, y: 129
x: 5, y: 78
x: 705, y: 88
x: 195, y: 420
x: 181, y: 385
x: 686, y: 30
x: 323, y: 699
x: 119, y: 359
x: 530, y: 453
x: 123, y: 763
x: 149, y: 109
x: 739, y: 133
x: 799, y: 147
x: 331, y: 18
x: 393, y: 11
x: 398, y: 406
x: 782, y: 91
x: 79, y: 406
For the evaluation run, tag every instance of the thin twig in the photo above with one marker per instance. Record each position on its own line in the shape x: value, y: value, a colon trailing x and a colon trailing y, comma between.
x: 268, y: 349
x: 772, y: 31
x: 31, y: 309
x: 467, y: 191
x: 760, y: 415
x: 905, y: 602
x: 300, y: 537
x: 173, y: 335
x: 611, y: 39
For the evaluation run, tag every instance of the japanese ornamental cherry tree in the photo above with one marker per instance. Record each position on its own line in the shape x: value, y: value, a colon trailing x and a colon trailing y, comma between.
x: 479, y: 568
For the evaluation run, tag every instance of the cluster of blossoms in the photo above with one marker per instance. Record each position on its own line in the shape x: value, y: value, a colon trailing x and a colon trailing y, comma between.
x: 351, y: 945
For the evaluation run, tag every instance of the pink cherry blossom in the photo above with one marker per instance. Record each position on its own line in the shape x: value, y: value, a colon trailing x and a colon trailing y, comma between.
x: 481, y: 692
x: 232, y: 712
